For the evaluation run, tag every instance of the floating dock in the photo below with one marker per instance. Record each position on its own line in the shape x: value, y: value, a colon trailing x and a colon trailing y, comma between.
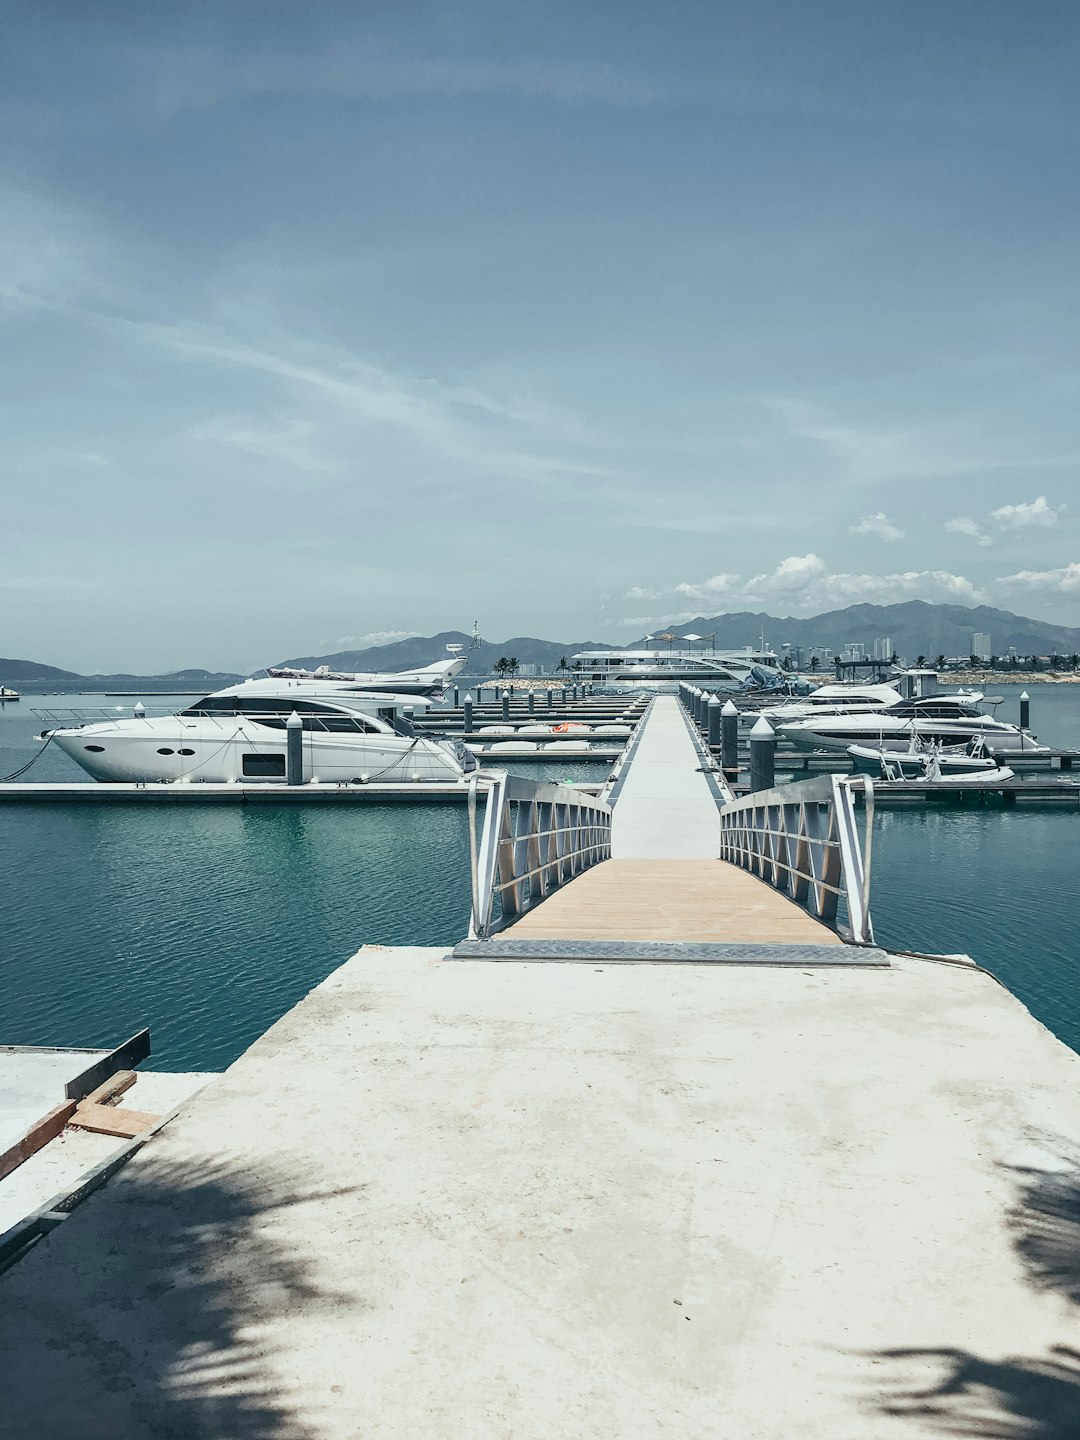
x: 613, y: 1182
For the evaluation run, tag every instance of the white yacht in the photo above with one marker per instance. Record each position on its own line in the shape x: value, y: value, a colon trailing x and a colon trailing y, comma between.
x: 238, y: 734
x: 940, y: 719
x: 655, y: 669
x: 828, y: 700
x: 427, y: 680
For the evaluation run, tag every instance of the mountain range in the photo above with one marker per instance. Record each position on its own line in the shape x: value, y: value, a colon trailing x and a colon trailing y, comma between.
x: 913, y: 628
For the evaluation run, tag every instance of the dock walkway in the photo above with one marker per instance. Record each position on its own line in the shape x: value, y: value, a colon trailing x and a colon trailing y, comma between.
x: 665, y: 881
x: 444, y: 1199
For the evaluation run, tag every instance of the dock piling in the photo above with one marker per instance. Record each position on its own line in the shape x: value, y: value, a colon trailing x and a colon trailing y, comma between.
x: 714, y: 716
x: 762, y: 756
x: 729, y: 739
x: 1025, y: 710
x: 506, y: 706
x: 294, y: 750
x: 467, y: 712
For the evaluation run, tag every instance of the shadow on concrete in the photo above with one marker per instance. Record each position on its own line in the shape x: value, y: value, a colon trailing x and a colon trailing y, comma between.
x: 1019, y: 1397
x: 1011, y: 1399
x: 1045, y: 1221
x: 146, y: 1313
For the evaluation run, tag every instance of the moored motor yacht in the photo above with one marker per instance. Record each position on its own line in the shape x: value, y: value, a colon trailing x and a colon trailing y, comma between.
x: 349, y: 734
x: 829, y: 700
x: 944, y: 719
x: 426, y: 680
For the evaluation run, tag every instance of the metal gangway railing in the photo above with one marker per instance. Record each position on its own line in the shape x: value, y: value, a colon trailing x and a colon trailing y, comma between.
x: 534, y: 838
x: 803, y: 839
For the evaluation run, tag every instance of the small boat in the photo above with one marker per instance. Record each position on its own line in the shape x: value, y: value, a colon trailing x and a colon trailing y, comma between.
x: 912, y: 763
x: 6, y: 694
x: 992, y: 779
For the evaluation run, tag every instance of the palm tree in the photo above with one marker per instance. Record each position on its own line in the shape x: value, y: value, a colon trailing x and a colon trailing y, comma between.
x: 814, y: 662
x: 563, y: 664
x: 940, y: 662
x: 501, y: 665
x: 512, y: 665
x: 920, y: 662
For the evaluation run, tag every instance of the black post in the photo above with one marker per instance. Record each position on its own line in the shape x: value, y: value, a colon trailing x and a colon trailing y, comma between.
x: 762, y: 756
x: 294, y: 750
x: 532, y: 702
x: 714, y: 721
x: 729, y: 739
x: 1025, y: 710
x: 466, y: 723
x: 506, y: 705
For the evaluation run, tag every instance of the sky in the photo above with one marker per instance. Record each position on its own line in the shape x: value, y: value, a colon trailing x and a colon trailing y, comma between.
x: 321, y: 325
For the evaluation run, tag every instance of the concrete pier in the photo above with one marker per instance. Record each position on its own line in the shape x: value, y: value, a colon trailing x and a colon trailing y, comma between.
x: 454, y: 1199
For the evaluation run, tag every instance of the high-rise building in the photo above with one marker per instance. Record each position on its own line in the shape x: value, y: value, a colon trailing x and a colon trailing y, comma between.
x: 883, y: 648
x: 980, y: 645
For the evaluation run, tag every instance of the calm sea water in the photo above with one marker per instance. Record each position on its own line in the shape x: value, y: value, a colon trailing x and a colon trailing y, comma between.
x: 207, y: 924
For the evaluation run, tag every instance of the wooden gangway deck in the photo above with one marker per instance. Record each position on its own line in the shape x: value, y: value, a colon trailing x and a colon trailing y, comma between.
x: 665, y: 880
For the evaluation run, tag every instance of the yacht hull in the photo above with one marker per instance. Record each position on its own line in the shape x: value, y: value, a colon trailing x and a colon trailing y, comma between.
x: 210, y: 751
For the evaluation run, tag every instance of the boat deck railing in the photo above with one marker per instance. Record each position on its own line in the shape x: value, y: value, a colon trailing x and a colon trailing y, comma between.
x: 534, y: 838
x: 803, y: 840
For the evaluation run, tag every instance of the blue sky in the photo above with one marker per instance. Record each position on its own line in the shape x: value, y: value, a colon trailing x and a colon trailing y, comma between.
x: 325, y: 322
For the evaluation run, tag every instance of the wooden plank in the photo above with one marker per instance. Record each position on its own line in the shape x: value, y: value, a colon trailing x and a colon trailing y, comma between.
x: 671, y: 900
x: 112, y: 1120
x: 122, y: 1058
x: 39, y: 1134
x: 112, y: 1088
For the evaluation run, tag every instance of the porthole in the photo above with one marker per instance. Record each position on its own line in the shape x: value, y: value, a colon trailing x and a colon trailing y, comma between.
x: 97, y: 749
x: 185, y: 752
x: 166, y: 751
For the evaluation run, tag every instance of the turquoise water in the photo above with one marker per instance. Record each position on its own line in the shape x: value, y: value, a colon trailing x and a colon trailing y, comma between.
x: 207, y: 924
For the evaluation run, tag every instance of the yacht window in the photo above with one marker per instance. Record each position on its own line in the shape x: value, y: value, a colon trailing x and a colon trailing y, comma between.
x: 264, y: 765
x: 166, y: 752
x: 96, y: 748
x: 185, y: 752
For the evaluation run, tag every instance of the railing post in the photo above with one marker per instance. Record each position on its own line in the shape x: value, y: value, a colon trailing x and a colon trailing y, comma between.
x: 762, y: 756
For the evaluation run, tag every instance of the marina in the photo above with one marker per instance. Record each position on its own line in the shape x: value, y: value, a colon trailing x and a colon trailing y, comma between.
x: 651, y: 996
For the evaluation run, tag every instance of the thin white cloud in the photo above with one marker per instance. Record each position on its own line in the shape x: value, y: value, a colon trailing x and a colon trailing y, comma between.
x: 878, y: 525
x: 1065, y: 580
x: 965, y: 525
x: 1036, y: 514
x: 716, y: 585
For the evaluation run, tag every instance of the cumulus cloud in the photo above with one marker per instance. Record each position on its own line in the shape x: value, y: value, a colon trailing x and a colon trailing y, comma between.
x: 878, y: 525
x: 1065, y: 580
x: 1036, y: 514
x: 965, y: 525
x: 805, y: 583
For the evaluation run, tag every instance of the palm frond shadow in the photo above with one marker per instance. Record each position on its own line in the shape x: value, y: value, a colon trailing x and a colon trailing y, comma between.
x: 1018, y: 1397
x: 145, y: 1313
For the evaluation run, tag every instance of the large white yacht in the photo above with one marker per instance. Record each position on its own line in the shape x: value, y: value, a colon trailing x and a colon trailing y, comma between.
x: 944, y: 719
x: 350, y: 733
x: 658, y: 668
x: 828, y: 700
x: 427, y: 680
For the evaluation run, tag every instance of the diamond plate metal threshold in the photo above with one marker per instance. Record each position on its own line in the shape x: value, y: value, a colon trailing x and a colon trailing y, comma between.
x: 690, y: 952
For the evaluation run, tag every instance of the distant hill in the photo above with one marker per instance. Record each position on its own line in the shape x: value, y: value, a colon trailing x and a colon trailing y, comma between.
x: 31, y: 675
x: 422, y: 650
x: 914, y: 627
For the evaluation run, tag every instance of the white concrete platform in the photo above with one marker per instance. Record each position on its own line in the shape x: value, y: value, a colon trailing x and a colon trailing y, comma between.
x: 463, y: 1200
x: 665, y: 809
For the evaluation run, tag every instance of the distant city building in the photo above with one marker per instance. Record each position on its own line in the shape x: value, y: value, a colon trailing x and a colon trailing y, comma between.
x: 852, y: 652
x: 980, y: 645
x: 883, y: 648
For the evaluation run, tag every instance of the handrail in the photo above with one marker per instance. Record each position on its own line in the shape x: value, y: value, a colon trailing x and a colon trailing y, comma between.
x: 535, y: 836
x: 803, y: 839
